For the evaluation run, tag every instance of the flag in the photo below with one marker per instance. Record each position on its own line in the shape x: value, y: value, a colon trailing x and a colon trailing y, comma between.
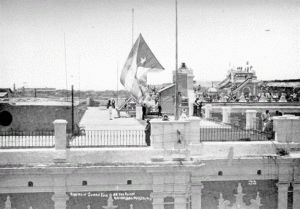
x: 140, y: 61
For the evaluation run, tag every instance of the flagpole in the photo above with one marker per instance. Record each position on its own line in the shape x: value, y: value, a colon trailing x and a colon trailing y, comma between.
x: 118, y: 83
x: 176, y: 65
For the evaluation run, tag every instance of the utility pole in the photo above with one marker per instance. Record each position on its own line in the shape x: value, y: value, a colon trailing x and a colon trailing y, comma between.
x: 72, y: 93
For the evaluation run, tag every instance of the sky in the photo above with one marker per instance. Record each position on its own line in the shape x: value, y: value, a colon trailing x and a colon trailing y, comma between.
x: 85, y: 43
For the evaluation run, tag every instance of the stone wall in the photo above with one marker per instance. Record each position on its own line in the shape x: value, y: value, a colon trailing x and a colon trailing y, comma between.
x: 40, y: 200
x: 38, y: 117
x: 267, y: 192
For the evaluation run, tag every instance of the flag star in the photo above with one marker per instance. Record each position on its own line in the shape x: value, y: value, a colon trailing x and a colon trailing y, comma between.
x: 143, y: 60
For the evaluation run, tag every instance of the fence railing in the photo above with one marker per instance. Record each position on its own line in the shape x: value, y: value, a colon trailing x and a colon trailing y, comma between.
x: 232, y: 133
x: 108, y: 138
x: 26, y: 139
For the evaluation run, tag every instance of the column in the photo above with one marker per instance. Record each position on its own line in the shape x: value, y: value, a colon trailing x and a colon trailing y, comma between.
x: 226, y: 114
x: 296, y: 195
x: 282, y: 195
x: 196, y: 190
x: 250, y: 119
x: 60, y: 197
x: 181, y: 188
x: 180, y: 201
x: 158, y: 190
x: 208, y: 109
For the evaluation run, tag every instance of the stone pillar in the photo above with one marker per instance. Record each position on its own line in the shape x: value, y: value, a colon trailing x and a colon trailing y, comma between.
x: 286, y: 128
x: 226, y: 114
x: 195, y: 130
x: 296, y: 195
x: 282, y: 195
x: 138, y: 112
x: 250, y: 119
x: 60, y: 197
x: 60, y: 129
x: 295, y: 124
x: 208, y: 110
x: 196, y: 192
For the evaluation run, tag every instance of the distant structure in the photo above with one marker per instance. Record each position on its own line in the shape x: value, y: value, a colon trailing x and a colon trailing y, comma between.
x: 240, y: 80
x: 5, y: 92
x: 185, y: 89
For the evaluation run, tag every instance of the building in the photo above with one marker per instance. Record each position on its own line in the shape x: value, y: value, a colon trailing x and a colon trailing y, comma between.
x: 185, y: 88
x: 187, y: 166
x: 5, y: 92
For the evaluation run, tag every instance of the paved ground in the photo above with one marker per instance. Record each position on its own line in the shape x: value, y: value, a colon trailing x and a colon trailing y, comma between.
x: 97, y: 119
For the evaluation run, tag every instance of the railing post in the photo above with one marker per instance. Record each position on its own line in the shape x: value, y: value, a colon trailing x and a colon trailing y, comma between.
x: 60, y: 129
x: 250, y: 119
x: 208, y: 110
x: 138, y: 112
x: 226, y: 114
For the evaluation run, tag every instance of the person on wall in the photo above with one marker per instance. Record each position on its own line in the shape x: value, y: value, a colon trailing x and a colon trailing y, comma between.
x: 159, y: 110
x: 148, y: 133
x: 265, y: 119
x: 144, y: 109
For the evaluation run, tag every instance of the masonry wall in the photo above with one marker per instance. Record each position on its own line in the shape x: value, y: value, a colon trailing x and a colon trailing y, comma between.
x: 267, y: 192
x: 40, y: 200
x: 37, y: 117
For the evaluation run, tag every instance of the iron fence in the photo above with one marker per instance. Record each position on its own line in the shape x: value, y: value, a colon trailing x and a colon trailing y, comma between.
x: 230, y: 132
x: 26, y: 139
x: 108, y: 138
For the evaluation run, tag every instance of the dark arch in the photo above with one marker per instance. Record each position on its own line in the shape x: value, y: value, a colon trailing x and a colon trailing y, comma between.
x: 5, y: 118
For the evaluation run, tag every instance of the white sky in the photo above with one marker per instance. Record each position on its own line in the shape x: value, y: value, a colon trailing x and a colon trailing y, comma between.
x: 99, y: 37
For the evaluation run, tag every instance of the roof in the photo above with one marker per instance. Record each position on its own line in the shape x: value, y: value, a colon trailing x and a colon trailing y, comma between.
x: 3, y: 94
x: 283, y: 83
x: 212, y: 90
x: 165, y: 88
x: 5, y: 90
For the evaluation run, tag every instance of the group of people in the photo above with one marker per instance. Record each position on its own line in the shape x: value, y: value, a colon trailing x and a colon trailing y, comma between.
x: 268, y: 123
x: 197, y: 108
x: 144, y: 111
x: 110, y: 105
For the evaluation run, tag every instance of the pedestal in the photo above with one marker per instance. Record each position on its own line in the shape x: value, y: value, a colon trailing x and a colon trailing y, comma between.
x: 250, y: 119
x: 226, y: 114
x: 208, y: 109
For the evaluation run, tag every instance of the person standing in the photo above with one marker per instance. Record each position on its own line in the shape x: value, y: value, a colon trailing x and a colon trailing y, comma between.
x: 113, y: 104
x: 148, y: 133
x: 265, y: 119
x: 159, y: 110
x: 200, y: 109
x: 108, y: 104
x: 110, y: 112
x: 144, y: 109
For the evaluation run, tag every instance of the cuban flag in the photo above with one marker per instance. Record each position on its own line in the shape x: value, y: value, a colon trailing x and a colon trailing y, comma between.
x: 140, y: 61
